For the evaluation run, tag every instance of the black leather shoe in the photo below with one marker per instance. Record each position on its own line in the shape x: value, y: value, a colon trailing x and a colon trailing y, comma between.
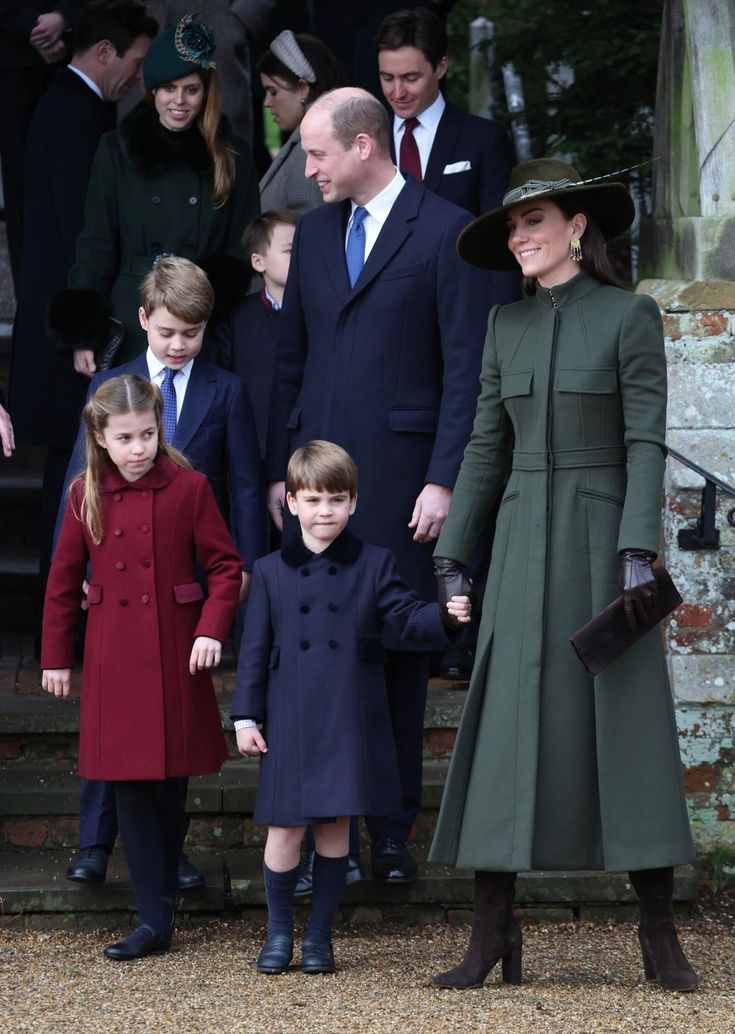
x: 138, y: 944
x: 190, y: 878
x: 392, y: 862
x: 276, y: 954
x: 317, y: 957
x: 456, y: 662
x: 88, y: 865
x: 355, y: 872
x: 306, y: 875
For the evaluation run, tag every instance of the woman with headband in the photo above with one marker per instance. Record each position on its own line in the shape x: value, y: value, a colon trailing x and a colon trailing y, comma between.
x: 553, y: 769
x: 171, y: 180
x: 294, y: 72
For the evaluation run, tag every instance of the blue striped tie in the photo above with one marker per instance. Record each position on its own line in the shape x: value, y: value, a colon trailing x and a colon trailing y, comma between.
x: 169, y: 404
x: 356, y: 246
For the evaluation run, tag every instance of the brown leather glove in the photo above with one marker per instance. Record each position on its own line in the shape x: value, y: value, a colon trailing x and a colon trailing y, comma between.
x: 451, y: 580
x: 638, y: 584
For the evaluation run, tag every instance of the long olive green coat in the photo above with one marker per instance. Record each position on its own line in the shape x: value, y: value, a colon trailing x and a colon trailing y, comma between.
x: 553, y: 769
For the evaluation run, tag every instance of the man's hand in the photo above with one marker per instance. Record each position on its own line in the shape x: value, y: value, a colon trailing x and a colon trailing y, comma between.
x: 56, y: 681
x: 47, y: 29
x: 276, y: 502
x: 250, y: 742
x: 205, y: 653
x: 7, y: 435
x: 84, y: 361
x: 54, y: 53
x: 430, y: 512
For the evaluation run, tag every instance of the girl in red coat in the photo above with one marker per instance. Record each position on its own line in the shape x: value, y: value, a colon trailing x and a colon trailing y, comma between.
x: 149, y: 717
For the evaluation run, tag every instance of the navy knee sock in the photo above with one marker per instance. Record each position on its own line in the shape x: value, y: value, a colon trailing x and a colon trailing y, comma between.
x: 329, y: 882
x: 279, y: 890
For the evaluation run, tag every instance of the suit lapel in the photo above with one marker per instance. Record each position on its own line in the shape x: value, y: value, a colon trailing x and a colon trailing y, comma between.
x: 200, y: 392
x: 333, y: 244
x: 394, y: 232
x: 450, y: 125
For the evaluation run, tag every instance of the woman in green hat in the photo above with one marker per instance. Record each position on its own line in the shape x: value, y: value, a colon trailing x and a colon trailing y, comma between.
x: 171, y: 180
x: 553, y: 769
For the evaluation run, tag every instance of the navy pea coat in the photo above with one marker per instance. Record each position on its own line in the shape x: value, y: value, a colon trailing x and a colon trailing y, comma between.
x: 311, y: 669
x: 46, y: 394
x: 389, y: 369
x: 143, y: 715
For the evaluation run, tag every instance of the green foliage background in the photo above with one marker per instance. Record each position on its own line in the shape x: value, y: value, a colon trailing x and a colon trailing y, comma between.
x: 604, y: 121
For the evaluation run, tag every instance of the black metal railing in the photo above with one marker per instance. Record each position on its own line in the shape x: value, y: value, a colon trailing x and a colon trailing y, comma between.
x: 704, y: 534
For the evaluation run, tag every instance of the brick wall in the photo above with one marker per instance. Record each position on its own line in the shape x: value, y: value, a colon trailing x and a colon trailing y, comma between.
x: 699, y: 324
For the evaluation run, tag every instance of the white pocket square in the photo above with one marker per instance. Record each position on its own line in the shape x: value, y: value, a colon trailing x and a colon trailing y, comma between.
x: 457, y: 167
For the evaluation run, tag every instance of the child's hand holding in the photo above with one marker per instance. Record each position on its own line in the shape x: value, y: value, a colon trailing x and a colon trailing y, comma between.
x: 250, y: 742
x: 205, y: 653
x: 460, y: 608
x: 56, y: 681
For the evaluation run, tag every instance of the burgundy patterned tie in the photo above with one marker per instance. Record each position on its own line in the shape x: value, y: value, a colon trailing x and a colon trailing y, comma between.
x: 409, y: 159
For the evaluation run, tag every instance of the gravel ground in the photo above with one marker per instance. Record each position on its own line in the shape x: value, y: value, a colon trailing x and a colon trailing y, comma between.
x: 579, y: 979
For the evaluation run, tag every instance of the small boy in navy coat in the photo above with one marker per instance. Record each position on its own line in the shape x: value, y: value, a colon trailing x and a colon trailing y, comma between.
x: 311, y: 671
x: 246, y: 342
x: 211, y: 422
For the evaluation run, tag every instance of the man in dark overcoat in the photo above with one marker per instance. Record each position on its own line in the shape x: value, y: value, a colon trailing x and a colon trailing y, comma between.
x: 382, y: 358
x: 46, y: 395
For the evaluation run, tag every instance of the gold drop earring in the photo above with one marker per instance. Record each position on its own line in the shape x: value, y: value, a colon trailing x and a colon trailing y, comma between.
x: 575, y: 249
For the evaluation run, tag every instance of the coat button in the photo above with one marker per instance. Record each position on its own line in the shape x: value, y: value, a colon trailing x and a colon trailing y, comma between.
x: 332, y: 569
x: 120, y: 566
x: 332, y: 608
x: 117, y: 532
x: 117, y: 497
x: 145, y: 598
x: 333, y: 644
x: 304, y: 645
x: 144, y: 495
x: 156, y: 199
x: 305, y: 608
x: 145, y: 529
x: 193, y: 200
x: 305, y: 572
x: 146, y: 563
x: 123, y: 603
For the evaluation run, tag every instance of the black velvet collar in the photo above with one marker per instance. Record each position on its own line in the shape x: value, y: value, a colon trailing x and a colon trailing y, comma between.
x: 345, y: 549
x: 153, y: 149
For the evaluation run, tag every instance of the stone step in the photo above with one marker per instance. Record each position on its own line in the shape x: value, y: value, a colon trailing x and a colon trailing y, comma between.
x: 34, y: 889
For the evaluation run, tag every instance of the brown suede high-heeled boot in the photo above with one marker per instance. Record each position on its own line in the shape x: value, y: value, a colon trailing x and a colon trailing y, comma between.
x: 663, y: 959
x: 495, y: 935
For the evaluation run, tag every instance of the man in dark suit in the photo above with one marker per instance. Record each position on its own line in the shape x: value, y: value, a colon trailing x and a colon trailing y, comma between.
x: 379, y: 350
x: 46, y: 395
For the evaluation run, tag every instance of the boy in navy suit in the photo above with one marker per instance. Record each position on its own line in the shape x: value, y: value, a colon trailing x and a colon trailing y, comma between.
x: 208, y: 417
x: 246, y: 342
x: 311, y: 669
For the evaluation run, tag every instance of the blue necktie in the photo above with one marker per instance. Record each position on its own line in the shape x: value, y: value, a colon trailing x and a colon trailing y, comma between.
x: 169, y: 403
x: 355, y: 252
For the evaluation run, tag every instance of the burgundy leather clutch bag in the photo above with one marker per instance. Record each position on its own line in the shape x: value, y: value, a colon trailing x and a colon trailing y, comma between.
x: 607, y: 635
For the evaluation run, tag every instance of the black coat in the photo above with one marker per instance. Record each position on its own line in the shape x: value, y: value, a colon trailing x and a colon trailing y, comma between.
x: 46, y: 395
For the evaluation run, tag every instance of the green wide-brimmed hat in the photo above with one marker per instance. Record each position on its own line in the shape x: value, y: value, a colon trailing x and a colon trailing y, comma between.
x: 180, y: 50
x: 484, y: 241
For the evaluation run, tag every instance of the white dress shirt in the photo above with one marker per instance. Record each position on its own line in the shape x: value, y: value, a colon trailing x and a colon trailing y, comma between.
x: 423, y: 133
x: 378, y: 210
x: 181, y: 380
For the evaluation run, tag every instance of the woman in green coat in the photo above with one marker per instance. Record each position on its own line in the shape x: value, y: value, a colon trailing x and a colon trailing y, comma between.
x: 553, y: 769
x: 171, y: 180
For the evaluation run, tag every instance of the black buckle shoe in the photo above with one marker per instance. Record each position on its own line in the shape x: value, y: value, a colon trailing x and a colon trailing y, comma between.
x: 457, y: 661
x: 392, y: 862
x: 305, y: 881
x: 276, y: 954
x: 190, y: 878
x: 88, y: 866
x: 317, y: 956
x: 138, y: 944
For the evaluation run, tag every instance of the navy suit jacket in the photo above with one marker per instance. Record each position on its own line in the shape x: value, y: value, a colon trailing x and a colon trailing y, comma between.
x: 216, y: 433
x: 389, y: 369
x: 485, y: 146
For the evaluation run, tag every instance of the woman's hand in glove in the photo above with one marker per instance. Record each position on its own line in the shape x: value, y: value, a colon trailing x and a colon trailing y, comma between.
x: 638, y: 584
x: 452, y: 581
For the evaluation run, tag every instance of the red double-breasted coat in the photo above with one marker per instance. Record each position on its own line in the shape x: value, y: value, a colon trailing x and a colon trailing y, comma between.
x: 143, y: 715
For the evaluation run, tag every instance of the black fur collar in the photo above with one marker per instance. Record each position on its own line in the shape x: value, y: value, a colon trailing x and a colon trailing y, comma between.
x: 345, y: 549
x: 153, y: 149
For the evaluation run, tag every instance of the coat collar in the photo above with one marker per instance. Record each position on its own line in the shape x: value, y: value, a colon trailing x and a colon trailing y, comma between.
x: 162, y: 473
x: 153, y: 149
x: 345, y: 549
x: 567, y: 293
